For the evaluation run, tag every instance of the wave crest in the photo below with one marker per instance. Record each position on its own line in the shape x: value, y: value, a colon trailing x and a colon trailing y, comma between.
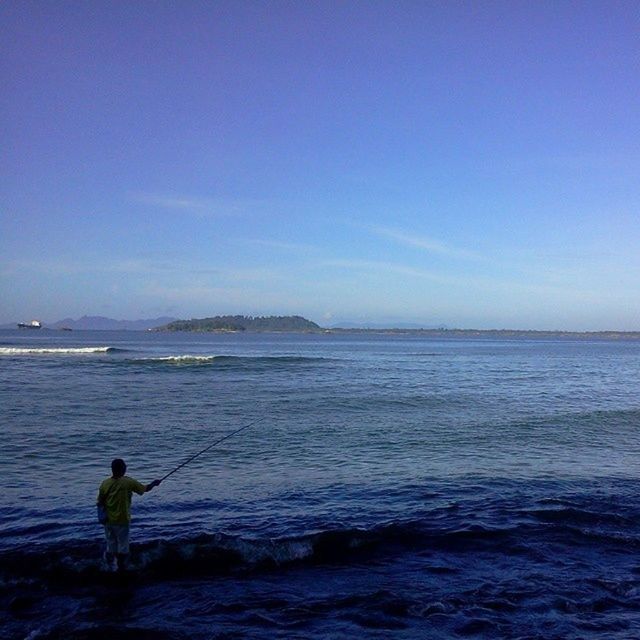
x: 195, y: 359
x: 27, y: 351
x: 220, y: 554
x: 183, y: 359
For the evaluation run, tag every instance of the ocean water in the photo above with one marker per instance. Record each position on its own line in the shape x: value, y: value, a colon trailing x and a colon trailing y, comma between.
x: 394, y: 487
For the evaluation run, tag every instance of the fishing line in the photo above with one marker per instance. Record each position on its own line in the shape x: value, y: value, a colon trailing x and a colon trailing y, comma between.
x: 213, y: 444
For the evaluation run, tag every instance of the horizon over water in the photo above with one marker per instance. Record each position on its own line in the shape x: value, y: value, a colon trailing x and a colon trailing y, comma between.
x: 397, y: 485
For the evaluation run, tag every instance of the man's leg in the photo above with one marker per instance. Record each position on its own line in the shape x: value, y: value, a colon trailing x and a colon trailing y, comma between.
x: 111, y: 547
x: 122, y: 546
x: 121, y: 559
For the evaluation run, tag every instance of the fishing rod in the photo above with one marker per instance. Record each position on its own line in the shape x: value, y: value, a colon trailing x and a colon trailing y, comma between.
x: 213, y: 444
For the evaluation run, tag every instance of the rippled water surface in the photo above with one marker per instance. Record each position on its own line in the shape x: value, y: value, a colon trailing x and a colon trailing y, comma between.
x: 393, y: 486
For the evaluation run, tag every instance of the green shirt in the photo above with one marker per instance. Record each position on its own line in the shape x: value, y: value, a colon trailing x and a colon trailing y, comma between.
x: 115, y: 494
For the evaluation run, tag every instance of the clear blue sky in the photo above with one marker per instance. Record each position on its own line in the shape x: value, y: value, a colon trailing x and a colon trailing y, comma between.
x: 472, y: 164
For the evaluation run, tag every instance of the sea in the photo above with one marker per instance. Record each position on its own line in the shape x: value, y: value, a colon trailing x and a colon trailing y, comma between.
x: 385, y: 486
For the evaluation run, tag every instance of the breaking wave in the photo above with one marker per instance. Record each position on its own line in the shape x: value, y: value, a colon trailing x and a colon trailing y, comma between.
x: 221, y: 554
x: 183, y: 359
x: 35, y: 351
x: 209, y: 554
x: 193, y: 359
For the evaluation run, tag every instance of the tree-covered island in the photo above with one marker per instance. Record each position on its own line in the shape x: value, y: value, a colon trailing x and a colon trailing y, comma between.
x: 299, y: 324
x: 242, y: 323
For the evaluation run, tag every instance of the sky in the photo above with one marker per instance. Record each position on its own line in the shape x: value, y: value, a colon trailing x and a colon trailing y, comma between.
x: 443, y: 163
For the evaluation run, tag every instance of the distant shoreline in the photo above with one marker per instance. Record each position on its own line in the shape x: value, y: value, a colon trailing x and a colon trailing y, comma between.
x: 533, y: 334
x: 299, y: 324
x: 498, y: 333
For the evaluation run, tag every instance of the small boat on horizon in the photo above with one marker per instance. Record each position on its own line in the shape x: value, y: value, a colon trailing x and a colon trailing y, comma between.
x: 34, y: 324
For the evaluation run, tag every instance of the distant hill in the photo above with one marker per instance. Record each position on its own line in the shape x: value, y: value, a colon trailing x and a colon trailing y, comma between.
x: 100, y: 323
x: 242, y: 323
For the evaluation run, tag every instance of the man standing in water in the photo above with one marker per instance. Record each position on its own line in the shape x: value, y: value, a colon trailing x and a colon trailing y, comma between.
x: 115, y: 496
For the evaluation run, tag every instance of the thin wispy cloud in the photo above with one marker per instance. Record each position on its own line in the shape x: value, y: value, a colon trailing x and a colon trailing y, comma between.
x: 202, y: 207
x: 200, y: 271
x: 257, y: 274
x: 384, y: 267
x: 421, y: 242
x: 213, y: 299
x: 65, y: 267
x: 141, y: 267
x: 292, y: 247
x: 470, y: 283
x: 59, y: 267
x: 606, y: 162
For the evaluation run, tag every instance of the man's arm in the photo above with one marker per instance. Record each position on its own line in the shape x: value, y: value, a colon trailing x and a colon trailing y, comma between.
x: 101, y: 496
x: 151, y: 485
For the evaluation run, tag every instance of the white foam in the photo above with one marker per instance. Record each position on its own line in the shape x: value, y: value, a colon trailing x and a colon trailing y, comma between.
x: 184, y: 359
x: 28, y: 351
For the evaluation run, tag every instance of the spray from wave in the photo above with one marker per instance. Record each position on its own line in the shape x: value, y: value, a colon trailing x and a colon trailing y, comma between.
x: 35, y: 351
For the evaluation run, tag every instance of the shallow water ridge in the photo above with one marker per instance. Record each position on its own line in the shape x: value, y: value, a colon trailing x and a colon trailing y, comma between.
x: 393, y: 486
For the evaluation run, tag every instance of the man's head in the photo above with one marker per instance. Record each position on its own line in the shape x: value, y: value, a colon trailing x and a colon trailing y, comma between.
x: 118, y: 468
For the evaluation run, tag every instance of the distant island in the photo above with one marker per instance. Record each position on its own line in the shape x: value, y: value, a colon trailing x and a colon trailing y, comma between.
x: 300, y: 324
x: 249, y: 324
x: 242, y: 323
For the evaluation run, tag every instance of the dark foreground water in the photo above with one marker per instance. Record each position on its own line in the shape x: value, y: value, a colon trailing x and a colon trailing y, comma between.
x: 396, y: 486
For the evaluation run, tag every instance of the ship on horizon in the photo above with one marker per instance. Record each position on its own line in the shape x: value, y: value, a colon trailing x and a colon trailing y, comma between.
x: 34, y: 324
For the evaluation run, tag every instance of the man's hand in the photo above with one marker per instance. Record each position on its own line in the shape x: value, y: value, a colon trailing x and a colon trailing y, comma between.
x: 155, y: 483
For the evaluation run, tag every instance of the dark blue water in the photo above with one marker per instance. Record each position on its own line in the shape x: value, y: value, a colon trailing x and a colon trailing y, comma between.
x: 396, y: 486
